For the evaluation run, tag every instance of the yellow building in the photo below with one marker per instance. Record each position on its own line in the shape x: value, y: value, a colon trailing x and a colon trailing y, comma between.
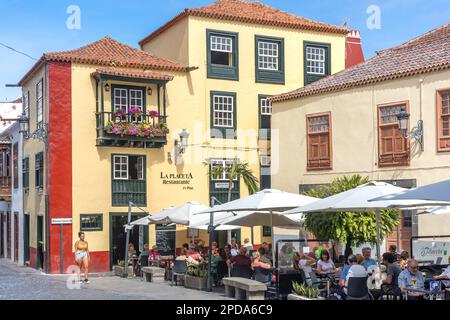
x: 112, y: 117
x: 347, y: 124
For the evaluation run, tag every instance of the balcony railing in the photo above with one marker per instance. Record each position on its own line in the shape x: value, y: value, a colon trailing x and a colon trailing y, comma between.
x: 127, y: 130
x: 5, y: 188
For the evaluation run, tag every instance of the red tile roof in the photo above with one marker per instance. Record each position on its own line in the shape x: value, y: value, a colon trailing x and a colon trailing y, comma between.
x: 109, y: 52
x: 426, y: 53
x: 249, y: 12
x: 133, y: 73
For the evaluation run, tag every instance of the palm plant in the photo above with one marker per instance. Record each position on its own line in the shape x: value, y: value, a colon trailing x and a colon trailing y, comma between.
x: 235, y: 171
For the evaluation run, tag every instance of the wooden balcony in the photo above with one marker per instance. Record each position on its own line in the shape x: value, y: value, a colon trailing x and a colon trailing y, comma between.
x: 5, y: 189
x: 131, y: 131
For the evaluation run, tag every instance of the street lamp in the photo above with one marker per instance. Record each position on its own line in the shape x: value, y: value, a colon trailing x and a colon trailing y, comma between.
x: 416, y: 133
x: 181, y: 145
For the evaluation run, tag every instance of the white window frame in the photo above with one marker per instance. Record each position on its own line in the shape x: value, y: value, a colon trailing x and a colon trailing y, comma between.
x: 223, y: 163
x: 135, y: 104
x: 118, y: 106
x: 313, y: 62
x: 221, y: 44
x: 268, y: 56
x: 140, y: 168
x: 39, y: 103
x: 118, y: 173
x: 222, y: 114
x: 265, y: 107
x: 26, y: 103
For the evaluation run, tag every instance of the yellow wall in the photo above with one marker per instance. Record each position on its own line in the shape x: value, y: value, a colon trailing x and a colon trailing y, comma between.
x: 34, y: 201
x: 355, y: 135
x: 188, y: 106
x: 188, y: 98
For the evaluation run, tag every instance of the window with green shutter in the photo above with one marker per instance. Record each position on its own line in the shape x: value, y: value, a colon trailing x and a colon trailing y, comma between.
x: 39, y: 171
x: 223, y: 115
x: 222, y: 55
x: 129, y: 180
x: 269, y: 60
x: 265, y: 117
x: 26, y: 174
x: 317, y: 61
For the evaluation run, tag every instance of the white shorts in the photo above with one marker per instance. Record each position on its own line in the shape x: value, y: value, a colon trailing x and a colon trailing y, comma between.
x: 81, y: 255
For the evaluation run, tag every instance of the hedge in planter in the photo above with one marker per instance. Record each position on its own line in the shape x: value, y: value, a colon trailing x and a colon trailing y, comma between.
x: 196, y: 278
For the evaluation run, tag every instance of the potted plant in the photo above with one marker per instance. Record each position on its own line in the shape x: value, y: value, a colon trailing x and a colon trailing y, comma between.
x: 119, y: 269
x: 196, y: 278
x: 120, y: 115
x: 304, y: 292
x: 136, y: 114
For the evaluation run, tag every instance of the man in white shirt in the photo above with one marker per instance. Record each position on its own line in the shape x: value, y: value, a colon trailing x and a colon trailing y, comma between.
x: 445, y: 276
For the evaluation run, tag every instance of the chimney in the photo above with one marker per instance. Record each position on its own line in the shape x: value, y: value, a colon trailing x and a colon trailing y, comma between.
x: 354, y: 54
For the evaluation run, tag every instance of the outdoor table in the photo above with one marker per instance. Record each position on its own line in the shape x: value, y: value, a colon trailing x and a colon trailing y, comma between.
x: 430, y: 294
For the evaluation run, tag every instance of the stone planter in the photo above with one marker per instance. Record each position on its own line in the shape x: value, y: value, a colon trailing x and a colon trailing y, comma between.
x: 119, y: 271
x: 296, y: 297
x: 197, y: 283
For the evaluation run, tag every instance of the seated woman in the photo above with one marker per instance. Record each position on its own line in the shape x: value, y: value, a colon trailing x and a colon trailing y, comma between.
x: 325, y: 265
x: 304, y: 262
x: 262, y: 269
x: 154, y: 254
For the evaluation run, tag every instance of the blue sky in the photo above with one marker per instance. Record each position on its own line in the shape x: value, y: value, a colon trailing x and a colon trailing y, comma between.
x: 35, y: 27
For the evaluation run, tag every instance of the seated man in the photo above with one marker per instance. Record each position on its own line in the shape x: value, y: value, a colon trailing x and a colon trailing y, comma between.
x: 368, y: 261
x: 390, y: 284
x: 445, y: 276
x: 412, y: 278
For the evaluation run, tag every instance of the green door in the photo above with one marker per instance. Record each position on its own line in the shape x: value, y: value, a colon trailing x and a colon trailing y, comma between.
x: 40, y: 243
x: 26, y: 238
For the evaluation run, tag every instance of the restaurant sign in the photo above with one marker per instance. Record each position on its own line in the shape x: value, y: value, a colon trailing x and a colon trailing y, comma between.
x: 183, y: 179
x: 431, y: 251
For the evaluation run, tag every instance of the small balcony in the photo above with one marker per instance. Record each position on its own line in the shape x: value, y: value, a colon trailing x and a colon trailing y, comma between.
x: 5, y: 189
x: 137, y: 130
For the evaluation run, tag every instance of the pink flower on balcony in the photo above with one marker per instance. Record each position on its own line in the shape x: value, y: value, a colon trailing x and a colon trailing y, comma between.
x: 153, y: 114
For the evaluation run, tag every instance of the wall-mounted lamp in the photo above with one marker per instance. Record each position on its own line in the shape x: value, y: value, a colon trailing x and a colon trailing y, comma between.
x: 149, y: 91
x: 181, y: 146
x: 416, y: 132
x: 107, y: 87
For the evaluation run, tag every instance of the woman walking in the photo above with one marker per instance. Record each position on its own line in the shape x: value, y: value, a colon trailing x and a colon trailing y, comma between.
x: 82, y: 256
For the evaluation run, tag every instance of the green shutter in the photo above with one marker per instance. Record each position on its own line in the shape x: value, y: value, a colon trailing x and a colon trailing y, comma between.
x: 123, y: 191
x: 218, y: 71
x: 268, y: 76
x: 26, y: 174
x: 221, y: 132
x: 310, y: 78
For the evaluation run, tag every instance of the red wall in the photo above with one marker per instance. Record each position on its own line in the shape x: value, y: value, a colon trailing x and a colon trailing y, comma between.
x: 60, y: 179
x: 99, y: 262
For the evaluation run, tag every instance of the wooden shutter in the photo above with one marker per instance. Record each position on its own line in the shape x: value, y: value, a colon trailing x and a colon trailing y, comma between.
x: 393, y: 147
x: 319, y: 144
x: 443, y: 120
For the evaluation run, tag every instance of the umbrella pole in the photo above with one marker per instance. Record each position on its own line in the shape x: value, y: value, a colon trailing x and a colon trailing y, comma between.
x: 125, y: 273
x: 271, y: 232
x: 211, y: 232
x: 378, y: 222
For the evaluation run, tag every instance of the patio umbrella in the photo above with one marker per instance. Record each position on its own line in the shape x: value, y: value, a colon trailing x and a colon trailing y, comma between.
x: 432, y: 194
x: 357, y: 200
x: 265, y: 203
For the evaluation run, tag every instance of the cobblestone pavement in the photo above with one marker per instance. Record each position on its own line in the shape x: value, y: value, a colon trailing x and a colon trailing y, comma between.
x: 21, y: 283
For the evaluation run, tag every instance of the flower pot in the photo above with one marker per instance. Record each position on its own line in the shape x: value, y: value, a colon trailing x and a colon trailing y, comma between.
x: 197, y: 283
x: 293, y: 296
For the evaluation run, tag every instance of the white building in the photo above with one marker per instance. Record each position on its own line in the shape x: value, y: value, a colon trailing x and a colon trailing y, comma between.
x: 12, y: 220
